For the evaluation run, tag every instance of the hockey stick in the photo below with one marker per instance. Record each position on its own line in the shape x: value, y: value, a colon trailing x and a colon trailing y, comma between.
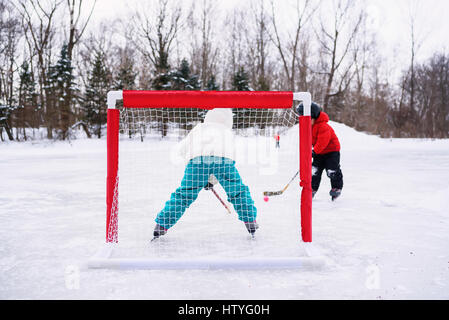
x: 278, y: 193
x: 222, y: 202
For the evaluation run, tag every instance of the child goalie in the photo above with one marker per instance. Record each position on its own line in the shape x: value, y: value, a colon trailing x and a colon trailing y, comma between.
x: 208, y: 150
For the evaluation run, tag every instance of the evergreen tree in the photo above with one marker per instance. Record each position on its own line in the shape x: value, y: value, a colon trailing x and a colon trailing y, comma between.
x: 62, y: 90
x: 178, y: 79
x: 161, y: 82
x: 26, y: 115
x: 181, y: 79
x: 27, y: 86
x: 248, y: 117
x: 95, y: 97
x: 212, y: 84
x: 240, y: 81
x: 162, y: 79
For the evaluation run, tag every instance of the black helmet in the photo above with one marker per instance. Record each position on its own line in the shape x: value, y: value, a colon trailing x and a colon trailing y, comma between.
x: 314, y: 112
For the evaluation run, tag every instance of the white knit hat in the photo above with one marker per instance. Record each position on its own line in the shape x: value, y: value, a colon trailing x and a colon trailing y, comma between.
x: 221, y: 116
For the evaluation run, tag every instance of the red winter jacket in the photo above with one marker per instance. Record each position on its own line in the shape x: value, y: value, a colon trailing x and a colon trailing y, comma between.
x: 324, y: 139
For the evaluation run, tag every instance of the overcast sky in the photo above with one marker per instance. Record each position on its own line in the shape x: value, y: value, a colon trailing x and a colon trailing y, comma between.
x: 389, y: 17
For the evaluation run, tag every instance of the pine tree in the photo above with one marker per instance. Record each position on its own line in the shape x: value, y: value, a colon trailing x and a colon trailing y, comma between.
x: 181, y: 78
x: 27, y: 99
x: 240, y: 81
x: 162, y: 79
x: 161, y: 82
x: 178, y: 79
x: 95, y: 97
x: 62, y: 90
x: 212, y: 84
x: 27, y: 86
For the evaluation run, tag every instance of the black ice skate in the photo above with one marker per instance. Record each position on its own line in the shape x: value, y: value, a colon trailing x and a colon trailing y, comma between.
x: 251, y: 227
x: 335, y: 193
x: 158, y: 231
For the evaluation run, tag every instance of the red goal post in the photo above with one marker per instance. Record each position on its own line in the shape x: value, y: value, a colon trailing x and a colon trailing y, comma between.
x: 207, y: 100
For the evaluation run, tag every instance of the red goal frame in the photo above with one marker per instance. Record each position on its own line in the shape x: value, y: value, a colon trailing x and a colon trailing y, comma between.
x: 207, y: 100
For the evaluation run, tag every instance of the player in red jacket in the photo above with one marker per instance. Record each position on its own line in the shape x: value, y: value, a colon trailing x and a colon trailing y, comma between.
x: 326, y: 151
x: 277, y: 138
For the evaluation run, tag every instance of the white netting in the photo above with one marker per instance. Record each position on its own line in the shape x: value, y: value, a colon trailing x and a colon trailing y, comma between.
x: 155, y: 182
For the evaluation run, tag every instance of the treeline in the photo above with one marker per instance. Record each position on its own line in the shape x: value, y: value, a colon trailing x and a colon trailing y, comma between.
x: 56, y: 68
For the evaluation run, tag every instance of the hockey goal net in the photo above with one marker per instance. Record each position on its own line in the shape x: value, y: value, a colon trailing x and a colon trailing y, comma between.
x: 151, y: 181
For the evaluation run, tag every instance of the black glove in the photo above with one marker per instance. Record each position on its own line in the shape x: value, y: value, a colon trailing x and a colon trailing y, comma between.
x: 208, y: 186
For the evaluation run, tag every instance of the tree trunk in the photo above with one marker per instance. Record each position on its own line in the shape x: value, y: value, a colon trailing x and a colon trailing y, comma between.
x: 8, y: 131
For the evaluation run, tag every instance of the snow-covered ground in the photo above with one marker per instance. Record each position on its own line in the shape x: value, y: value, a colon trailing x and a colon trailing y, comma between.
x: 387, y: 237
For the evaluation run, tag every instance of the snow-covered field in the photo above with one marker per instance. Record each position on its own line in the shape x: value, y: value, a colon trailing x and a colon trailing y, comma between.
x: 387, y: 237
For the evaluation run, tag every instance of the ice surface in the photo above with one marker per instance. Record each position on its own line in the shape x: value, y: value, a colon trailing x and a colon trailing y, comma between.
x: 386, y: 237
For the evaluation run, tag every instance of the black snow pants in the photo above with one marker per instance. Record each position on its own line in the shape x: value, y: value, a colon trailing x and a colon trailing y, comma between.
x: 331, y: 163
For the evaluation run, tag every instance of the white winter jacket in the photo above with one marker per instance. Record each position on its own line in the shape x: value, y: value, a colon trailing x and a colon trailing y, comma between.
x: 213, y: 137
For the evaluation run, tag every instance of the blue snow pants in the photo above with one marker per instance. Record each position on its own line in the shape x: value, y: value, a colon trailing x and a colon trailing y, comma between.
x: 196, y: 177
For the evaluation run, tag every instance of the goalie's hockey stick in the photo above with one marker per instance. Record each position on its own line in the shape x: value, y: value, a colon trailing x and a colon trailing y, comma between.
x: 278, y: 193
x: 222, y: 202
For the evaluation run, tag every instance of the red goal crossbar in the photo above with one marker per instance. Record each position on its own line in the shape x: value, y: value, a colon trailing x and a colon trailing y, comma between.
x: 208, y: 100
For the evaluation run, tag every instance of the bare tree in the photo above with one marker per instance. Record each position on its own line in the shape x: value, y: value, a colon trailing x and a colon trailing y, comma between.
x: 76, y: 29
x: 414, y: 46
x: 235, y: 47
x: 346, y: 20
x: 102, y: 40
x: 439, y: 74
x: 38, y: 20
x: 158, y: 34
x: 381, y: 99
x: 75, y: 26
x: 407, y: 114
x: 204, y: 53
x: 10, y: 34
x: 289, y: 49
x: 258, y: 47
x: 364, y: 49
